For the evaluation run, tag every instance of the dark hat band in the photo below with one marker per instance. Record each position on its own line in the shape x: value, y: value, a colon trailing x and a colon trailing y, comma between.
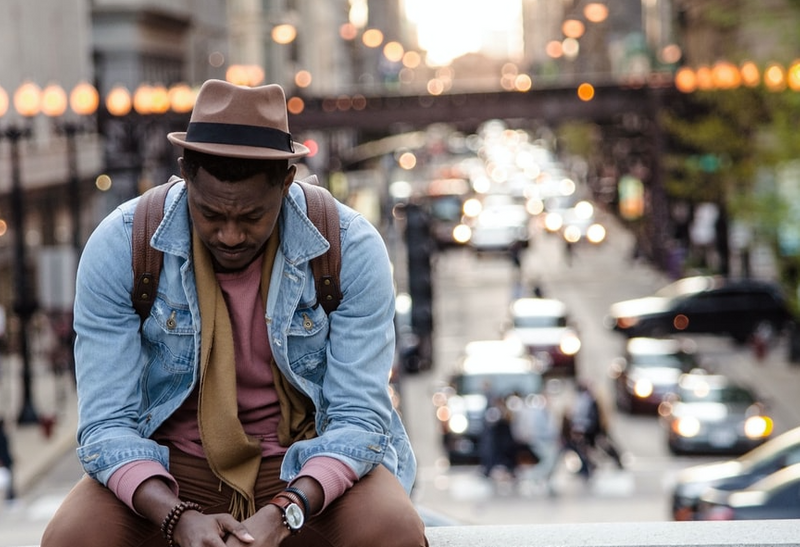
x: 241, y: 135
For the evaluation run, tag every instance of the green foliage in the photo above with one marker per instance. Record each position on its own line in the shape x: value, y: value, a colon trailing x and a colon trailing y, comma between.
x: 579, y: 138
x: 715, y: 156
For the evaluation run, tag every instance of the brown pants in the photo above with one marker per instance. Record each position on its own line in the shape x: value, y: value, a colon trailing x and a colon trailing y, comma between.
x: 375, y: 511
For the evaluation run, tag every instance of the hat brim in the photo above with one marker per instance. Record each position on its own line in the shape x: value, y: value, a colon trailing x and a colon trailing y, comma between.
x: 238, y: 151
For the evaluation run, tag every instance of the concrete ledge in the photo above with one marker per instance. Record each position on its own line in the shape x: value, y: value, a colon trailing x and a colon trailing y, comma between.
x: 645, y: 534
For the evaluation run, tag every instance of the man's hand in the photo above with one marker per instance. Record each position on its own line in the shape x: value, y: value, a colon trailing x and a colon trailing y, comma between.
x: 266, y: 527
x: 154, y: 499
x: 195, y: 529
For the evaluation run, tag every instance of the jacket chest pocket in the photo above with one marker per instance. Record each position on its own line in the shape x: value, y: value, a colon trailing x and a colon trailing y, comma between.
x: 307, y: 337
x: 169, y: 331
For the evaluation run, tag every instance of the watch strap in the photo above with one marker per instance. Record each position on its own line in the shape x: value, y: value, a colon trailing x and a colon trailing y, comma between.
x: 283, y: 502
x: 301, y: 497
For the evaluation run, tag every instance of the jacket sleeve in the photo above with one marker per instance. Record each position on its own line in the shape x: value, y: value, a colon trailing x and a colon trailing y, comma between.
x: 109, y: 357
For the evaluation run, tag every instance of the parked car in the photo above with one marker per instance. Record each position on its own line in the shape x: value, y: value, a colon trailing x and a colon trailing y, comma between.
x: 704, y: 305
x: 710, y: 413
x: 544, y: 327
x: 461, y: 404
x: 649, y: 370
x: 776, y: 496
x: 736, y: 474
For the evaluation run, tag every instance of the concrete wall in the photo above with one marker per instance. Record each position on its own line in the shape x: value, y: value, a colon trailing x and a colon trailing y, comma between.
x: 645, y: 534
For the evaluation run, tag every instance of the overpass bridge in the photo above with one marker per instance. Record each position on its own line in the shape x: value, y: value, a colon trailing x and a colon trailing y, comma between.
x: 626, y: 114
x: 552, y: 105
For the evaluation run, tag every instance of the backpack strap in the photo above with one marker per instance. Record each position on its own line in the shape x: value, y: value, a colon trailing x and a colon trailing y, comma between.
x: 145, y: 259
x: 322, y: 211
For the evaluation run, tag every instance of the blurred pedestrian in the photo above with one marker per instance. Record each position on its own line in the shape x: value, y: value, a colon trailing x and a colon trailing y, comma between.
x: 542, y: 438
x: 569, y: 251
x: 589, y: 429
x: 6, y: 460
x: 499, y: 448
x: 6, y: 465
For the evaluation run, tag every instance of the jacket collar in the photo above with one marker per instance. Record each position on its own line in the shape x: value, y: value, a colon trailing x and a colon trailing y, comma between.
x: 173, y: 235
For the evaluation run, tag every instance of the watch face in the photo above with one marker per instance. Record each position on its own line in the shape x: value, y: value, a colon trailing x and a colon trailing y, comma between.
x: 294, y: 516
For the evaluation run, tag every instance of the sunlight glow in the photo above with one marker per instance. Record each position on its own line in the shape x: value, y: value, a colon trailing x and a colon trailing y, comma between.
x: 448, y: 29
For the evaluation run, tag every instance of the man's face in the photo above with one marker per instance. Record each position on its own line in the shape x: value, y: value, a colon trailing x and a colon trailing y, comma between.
x: 235, y: 219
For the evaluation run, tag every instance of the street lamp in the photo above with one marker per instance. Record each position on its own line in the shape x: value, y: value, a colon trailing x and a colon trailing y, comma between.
x: 27, y: 99
x: 83, y: 101
x: 135, y: 118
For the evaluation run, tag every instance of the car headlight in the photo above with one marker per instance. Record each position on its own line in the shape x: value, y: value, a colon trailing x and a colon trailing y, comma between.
x: 572, y: 234
x: 553, y: 222
x: 596, y: 233
x: 462, y: 233
x: 757, y: 427
x: 643, y: 388
x: 686, y: 427
x: 458, y: 423
x: 570, y: 344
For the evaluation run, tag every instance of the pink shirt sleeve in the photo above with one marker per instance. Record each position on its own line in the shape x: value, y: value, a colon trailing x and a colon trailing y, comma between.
x: 125, y: 480
x: 333, y: 475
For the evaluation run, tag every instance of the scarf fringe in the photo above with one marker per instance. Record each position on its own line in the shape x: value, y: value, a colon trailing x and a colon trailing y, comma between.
x: 241, y: 507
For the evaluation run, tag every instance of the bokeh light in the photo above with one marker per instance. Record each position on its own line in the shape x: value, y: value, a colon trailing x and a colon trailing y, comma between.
x: 595, y: 12
x: 284, y: 34
x: 586, y: 92
x: 295, y: 105
x: 302, y: 78
x: 372, y: 38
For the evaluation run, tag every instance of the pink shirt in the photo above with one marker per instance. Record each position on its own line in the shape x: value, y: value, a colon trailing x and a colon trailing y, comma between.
x: 259, y: 409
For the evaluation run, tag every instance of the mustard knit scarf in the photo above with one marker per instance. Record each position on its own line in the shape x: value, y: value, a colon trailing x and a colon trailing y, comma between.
x: 232, y: 455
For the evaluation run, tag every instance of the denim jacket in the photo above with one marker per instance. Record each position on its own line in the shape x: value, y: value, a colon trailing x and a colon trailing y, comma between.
x: 130, y: 382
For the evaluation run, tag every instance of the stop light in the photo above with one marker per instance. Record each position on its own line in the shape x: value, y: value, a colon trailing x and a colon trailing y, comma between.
x: 419, y: 245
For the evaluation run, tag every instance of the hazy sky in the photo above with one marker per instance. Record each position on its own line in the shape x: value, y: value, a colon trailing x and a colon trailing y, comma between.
x: 450, y: 28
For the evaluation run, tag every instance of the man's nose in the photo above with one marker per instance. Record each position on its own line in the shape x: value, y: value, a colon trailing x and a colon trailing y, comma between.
x: 231, y: 234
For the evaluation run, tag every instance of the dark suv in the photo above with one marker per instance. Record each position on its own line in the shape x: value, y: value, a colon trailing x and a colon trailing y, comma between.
x: 704, y: 305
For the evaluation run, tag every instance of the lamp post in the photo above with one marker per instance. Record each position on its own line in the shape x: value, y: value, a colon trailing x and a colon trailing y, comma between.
x: 136, y: 122
x: 83, y: 101
x: 27, y: 103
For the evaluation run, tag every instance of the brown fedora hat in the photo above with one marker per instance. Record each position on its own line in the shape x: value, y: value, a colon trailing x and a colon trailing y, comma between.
x: 240, y: 122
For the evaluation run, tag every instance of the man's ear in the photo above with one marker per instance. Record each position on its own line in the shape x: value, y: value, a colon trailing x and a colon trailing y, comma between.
x: 287, y: 182
x: 181, y: 164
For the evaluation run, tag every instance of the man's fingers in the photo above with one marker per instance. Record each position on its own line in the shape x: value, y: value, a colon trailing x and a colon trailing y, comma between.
x: 243, y: 535
x: 231, y: 526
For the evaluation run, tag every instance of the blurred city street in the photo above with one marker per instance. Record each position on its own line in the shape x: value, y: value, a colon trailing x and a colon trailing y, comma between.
x: 46, y: 467
x: 587, y: 153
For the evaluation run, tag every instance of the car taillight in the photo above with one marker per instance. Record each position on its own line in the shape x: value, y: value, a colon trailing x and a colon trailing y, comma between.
x: 718, y: 512
x: 627, y: 322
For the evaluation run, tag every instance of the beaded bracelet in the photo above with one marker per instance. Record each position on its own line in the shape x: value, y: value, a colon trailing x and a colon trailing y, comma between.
x: 172, y: 518
x: 303, y: 498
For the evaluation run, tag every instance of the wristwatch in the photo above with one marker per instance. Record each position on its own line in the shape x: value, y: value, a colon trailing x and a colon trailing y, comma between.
x: 293, y: 516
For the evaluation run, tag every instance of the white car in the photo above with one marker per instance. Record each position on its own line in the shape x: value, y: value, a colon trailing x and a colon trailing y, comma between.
x: 543, y: 326
x: 500, y: 223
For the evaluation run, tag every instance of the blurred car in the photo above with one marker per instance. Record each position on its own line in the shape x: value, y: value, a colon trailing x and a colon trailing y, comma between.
x: 497, y: 223
x: 649, y: 370
x: 776, y: 496
x: 710, y: 413
x: 704, y: 305
x: 543, y: 326
x: 462, y: 403
x: 690, y: 483
x: 444, y: 202
x: 576, y: 224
